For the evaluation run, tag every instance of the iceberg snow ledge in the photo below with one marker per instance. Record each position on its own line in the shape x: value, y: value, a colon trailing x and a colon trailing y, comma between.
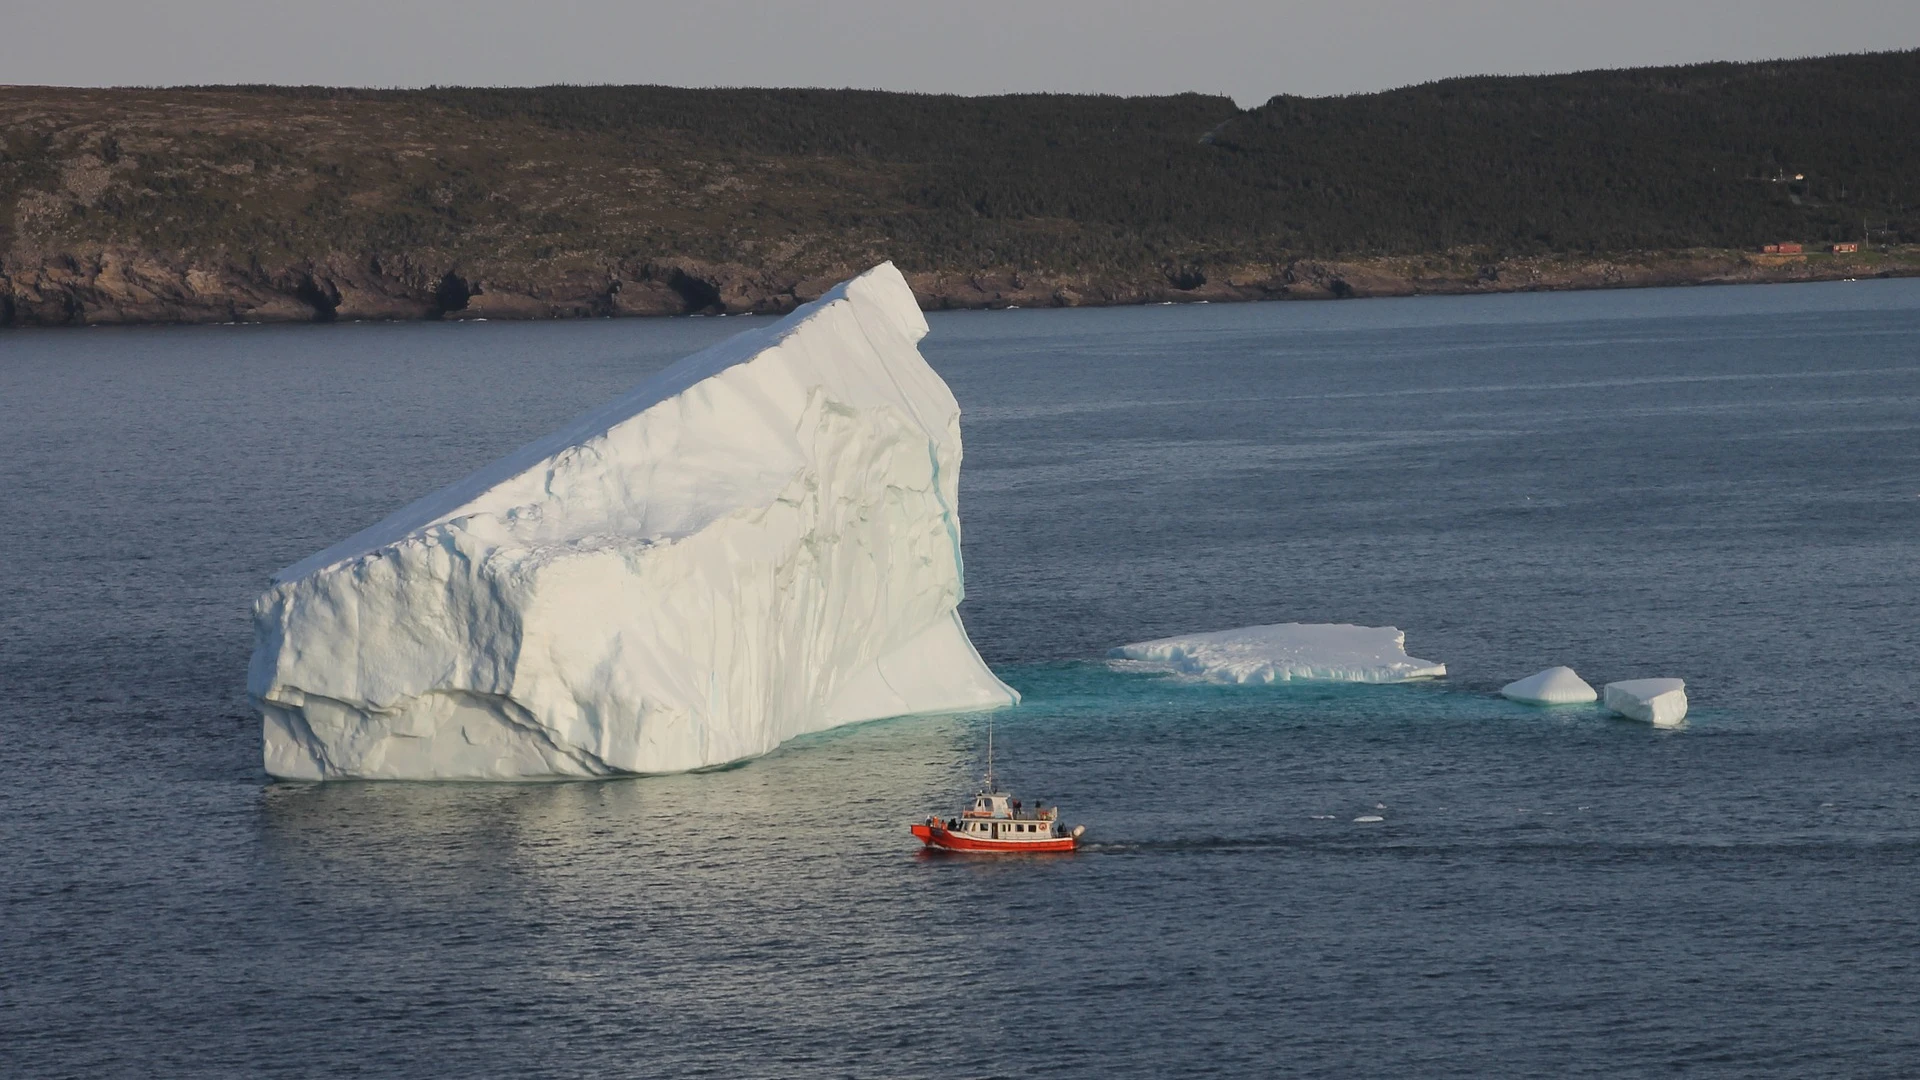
x: 761, y: 541
x: 1282, y: 652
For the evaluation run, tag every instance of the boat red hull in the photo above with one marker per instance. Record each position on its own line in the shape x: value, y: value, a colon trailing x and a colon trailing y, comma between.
x: 935, y: 836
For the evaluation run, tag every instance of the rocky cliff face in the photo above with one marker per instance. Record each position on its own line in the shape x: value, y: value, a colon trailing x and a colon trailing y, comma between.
x: 117, y: 285
x: 122, y: 286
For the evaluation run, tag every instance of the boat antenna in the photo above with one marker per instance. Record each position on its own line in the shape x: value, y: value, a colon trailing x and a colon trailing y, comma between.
x: 989, y: 753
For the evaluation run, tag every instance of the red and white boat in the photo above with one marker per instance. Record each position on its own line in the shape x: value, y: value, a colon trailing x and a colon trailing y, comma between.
x: 997, y: 822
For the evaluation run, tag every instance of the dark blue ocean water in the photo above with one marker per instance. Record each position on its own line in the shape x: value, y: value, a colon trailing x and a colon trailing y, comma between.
x: 1721, y: 485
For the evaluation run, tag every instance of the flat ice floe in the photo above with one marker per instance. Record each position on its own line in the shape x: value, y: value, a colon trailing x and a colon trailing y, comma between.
x: 760, y: 541
x: 1282, y: 652
x: 1660, y: 702
x: 1554, y: 686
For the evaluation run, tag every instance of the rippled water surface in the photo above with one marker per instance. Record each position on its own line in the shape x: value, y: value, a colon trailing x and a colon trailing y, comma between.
x: 1721, y: 485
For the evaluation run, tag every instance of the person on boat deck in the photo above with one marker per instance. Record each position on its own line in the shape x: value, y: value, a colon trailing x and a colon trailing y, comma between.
x: 1016, y: 806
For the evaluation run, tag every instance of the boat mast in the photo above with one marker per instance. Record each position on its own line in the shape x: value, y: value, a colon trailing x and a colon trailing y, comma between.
x: 989, y: 753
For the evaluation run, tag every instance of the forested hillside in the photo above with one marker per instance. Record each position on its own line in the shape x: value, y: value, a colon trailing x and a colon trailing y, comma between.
x: 263, y: 202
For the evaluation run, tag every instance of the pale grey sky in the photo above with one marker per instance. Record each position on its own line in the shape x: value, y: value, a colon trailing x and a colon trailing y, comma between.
x: 1245, y: 48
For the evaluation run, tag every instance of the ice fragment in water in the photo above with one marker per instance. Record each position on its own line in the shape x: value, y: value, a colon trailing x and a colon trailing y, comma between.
x: 1554, y: 686
x: 1660, y: 702
x: 1285, y: 651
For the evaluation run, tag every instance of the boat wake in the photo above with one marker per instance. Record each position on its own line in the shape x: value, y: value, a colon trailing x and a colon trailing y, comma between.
x: 1201, y: 843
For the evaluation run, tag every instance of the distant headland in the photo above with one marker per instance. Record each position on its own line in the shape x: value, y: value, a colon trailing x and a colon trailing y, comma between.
x: 253, y: 203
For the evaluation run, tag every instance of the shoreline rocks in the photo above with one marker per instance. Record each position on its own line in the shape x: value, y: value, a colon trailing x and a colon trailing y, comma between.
x: 121, y: 286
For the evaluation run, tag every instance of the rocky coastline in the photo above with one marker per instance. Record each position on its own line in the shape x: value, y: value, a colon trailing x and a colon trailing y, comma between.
x: 134, y: 205
x: 116, y: 286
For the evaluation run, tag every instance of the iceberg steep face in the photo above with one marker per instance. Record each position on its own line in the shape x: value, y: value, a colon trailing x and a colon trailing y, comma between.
x: 1282, y: 652
x: 760, y: 541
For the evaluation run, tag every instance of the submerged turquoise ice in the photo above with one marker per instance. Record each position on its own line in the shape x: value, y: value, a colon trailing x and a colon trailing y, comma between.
x: 1714, y: 484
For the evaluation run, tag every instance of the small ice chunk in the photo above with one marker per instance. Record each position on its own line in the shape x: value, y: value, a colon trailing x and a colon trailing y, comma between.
x: 1286, y: 651
x: 1554, y: 686
x: 1660, y: 702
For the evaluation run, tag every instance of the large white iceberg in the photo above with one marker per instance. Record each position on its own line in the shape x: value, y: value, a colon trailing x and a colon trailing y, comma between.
x: 758, y: 542
x: 1286, y: 651
x: 1660, y: 702
x: 1554, y: 686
